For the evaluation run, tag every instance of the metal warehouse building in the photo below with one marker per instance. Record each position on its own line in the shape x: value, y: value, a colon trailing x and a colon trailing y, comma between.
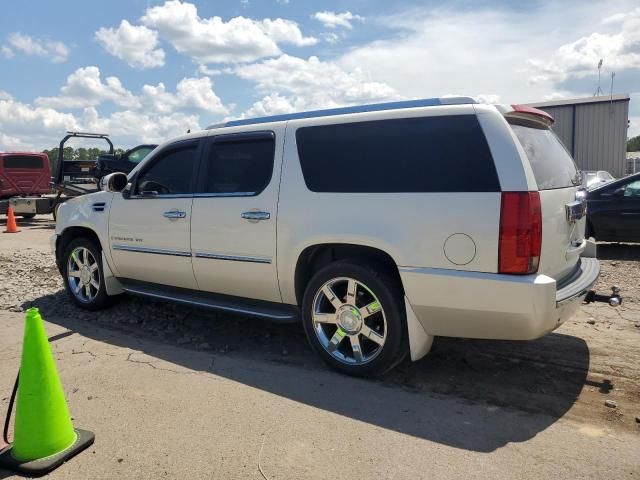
x: 594, y: 129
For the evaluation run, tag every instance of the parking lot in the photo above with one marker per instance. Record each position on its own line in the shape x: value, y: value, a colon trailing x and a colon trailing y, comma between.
x: 174, y: 392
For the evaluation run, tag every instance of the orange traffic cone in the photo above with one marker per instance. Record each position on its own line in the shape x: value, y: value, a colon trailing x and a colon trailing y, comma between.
x: 12, y: 226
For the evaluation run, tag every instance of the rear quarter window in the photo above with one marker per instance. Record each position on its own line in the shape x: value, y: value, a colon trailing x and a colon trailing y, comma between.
x: 22, y: 161
x: 426, y: 154
x: 550, y: 161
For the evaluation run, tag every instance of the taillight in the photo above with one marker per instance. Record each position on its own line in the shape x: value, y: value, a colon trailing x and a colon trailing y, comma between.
x: 520, y: 233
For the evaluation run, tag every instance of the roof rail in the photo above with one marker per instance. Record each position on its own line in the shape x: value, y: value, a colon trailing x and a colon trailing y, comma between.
x: 375, y: 107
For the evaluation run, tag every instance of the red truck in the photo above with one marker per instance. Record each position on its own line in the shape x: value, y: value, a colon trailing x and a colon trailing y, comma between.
x: 27, y: 176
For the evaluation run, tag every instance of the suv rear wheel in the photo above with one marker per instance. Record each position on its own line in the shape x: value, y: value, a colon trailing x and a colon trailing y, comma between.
x: 354, y: 319
x: 83, y: 275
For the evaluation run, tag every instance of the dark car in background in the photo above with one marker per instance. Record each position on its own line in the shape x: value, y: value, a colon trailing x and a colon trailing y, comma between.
x: 121, y: 162
x: 613, y: 210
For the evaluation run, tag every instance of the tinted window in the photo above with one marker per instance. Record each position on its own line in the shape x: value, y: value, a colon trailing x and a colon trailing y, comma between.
x: 632, y: 189
x: 239, y: 166
x: 431, y: 154
x: 136, y: 156
x: 22, y: 161
x: 550, y: 161
x: 170, y: 173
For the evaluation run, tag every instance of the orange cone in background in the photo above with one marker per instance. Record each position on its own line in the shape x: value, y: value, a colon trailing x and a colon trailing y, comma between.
x: 12, y: 226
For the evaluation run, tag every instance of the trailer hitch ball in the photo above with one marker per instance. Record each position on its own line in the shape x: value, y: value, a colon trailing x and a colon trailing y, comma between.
x: 615, y: 300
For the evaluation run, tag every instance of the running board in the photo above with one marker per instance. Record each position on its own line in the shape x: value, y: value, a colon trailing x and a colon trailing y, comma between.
x: 276, y: 312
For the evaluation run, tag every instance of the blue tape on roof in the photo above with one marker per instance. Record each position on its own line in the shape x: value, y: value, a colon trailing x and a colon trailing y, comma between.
x: 376, y: 107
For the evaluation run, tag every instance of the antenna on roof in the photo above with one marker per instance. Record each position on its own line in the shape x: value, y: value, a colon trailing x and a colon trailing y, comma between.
x: 599, y: 90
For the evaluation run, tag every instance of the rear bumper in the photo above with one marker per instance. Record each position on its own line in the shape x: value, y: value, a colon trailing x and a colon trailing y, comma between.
x: 493, y: 306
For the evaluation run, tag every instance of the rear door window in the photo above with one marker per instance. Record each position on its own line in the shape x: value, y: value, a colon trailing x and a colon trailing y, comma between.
x: 425, y: 154
x: 241, y: 165
x: 22, y: 161
x: 550, y: 161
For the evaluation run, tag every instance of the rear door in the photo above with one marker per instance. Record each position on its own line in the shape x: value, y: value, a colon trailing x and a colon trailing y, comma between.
x: 558, y: 180
x: 233, y: 228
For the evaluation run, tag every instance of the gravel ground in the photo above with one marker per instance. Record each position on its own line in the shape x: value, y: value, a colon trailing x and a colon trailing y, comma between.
x: 592, y: 358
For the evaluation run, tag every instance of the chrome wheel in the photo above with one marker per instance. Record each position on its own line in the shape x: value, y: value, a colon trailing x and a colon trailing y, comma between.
x: 349, y: 321
x: 83, y: 274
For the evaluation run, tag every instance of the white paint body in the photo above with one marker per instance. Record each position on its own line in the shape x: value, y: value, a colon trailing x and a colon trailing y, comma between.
x: 445, y: 245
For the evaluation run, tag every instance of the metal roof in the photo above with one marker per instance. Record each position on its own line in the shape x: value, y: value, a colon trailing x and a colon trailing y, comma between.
x: 375, y: 107
x: 621, y: 97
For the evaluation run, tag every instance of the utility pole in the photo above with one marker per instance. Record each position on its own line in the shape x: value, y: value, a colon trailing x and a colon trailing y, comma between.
x: 599, y: 90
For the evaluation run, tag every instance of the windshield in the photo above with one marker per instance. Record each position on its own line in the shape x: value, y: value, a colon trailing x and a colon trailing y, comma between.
x: 552, y: 164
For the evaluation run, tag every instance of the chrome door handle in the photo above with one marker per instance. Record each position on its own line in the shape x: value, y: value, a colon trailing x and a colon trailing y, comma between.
x: 174, y: 214
x: 253, y: 215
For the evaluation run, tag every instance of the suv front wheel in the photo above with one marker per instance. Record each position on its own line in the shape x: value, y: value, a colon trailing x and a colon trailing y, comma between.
x: 82, y: 272
x: 354, y: 319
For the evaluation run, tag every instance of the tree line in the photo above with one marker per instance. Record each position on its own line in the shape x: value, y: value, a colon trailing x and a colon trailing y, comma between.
x: 633, y: 144
x: 80, y: 153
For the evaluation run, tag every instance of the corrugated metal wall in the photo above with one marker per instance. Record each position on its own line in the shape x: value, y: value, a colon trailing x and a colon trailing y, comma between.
x: 595, y: 133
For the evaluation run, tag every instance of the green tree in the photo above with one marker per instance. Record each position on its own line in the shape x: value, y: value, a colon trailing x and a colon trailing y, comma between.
x: 633, y: 144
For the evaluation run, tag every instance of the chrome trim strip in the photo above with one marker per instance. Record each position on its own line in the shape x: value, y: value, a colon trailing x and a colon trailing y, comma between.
x: 232, y: 258
x: 174, y: 195
x: 240, y: 311
x: 157, y: 251
x: 222, y: 194
x: 195, y: 195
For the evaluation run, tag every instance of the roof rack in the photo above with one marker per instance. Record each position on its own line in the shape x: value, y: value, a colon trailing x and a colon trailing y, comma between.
x: 375, y: 107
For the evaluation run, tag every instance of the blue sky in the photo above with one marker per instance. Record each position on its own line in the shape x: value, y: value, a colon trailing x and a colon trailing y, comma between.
x: 145, y: 71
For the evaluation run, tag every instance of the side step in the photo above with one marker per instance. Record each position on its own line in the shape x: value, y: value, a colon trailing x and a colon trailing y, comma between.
x: 276, y: 312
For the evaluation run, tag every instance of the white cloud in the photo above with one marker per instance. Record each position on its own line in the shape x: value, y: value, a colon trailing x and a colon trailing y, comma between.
x: 334, y: 20
x: 9, y: 143
x: 151, y: 117
x: 55, y: 52
x: 286, y: 31
x: 283, y: 2
x: 129, y: 128
x: 136, y: 45
x: 85, y: 88
x: 7, y: 52
x: 439, y: 50
x: 620, y: 50
x: 212, y: 40
x: 192, y: 94
x: 292, y: 83
x: 330, y: 37
x: 26, y: 127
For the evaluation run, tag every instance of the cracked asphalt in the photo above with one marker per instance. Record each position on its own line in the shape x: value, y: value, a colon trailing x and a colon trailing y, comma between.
x: 179, y: 393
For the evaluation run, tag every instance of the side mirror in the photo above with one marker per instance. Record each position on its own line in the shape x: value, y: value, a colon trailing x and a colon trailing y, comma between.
x: 114, y: 182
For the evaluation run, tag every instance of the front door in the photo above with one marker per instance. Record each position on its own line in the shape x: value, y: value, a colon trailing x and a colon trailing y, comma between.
x: 629, y: 226
x: 150, y: 231
x: 233, y: 228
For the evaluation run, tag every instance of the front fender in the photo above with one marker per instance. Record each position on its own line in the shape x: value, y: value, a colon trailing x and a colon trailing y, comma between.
x: 90, y: 212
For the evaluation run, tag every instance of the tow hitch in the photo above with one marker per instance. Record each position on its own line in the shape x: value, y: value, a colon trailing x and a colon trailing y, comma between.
x: 614, y: 299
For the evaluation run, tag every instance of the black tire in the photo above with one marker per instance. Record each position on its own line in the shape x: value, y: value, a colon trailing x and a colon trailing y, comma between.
x: 390, y: 296
x: 101, y: 299
x: 27, y: 216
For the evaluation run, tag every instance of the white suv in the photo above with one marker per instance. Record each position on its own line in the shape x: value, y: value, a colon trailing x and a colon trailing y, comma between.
x: 379, y: 226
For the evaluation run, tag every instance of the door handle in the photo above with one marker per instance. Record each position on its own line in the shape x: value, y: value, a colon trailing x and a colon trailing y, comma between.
x: 253, y: 215
x: 174, y: 214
